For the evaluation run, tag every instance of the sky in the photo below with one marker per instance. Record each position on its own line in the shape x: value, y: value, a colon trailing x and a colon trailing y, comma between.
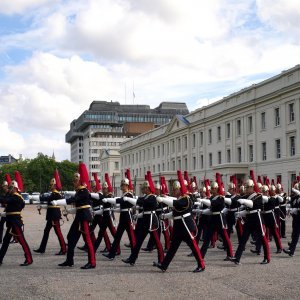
x: 57, y: 56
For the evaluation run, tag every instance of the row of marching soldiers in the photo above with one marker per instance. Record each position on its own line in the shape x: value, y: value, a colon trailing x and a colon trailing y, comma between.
x: 254, y: 209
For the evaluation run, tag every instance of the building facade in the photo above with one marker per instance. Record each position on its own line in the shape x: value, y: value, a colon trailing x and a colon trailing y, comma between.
x: 256, y: 128
x: 105, y: 125
x: 8, y: 159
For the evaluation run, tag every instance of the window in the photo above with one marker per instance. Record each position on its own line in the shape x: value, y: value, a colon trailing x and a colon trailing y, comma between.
x: 263, y: 120
x: 201, y: 138
x: 163, y: 149
x: 185, y: 164
x: 194, y: 163
x: 292, y: 146
x: 158, y: 151
x: 209, y: 136
x: 153, y: 152
x: 185, y: 142
x: 228, y: 130
x: 250, y: 125
x: 179, y: 145
x: 228, y: 156
x: 291, y: 112
x: 158, y: 168
x: 239, y: 154
x: 277, y: 148
x: 219, y: 133
x: 179, y: 164
x: 277, y: 116
x: 194, y: 140
x: 173, y: 146
x: 153, y: 168
x: 219, y: 157
x: 264, y: 150
x: 201, y: 162
x: 250, y: 153
x: 210, y: 159
x: 238, y: 128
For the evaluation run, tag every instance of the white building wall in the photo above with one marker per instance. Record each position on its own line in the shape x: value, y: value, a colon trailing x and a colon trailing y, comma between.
x: 277, y: 92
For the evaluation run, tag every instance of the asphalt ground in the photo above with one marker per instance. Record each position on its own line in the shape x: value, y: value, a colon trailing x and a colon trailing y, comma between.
x: 116, y: 280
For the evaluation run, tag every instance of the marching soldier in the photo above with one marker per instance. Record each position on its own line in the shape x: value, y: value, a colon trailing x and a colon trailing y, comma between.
x: 14, y: 205
x: 53, y: 217
x: 106, y: 220
x: 82, y: 219
x: 269, y: 217
x: 282, y: 210
x: 253, y: 221
x: 3, y: 198
x: 125, y: 221
x: 295, y: 211
x: 149, y: 223
x: 184, y: 226
x: 217, y: 222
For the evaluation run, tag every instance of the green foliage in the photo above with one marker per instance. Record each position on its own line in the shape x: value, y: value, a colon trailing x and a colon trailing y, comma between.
x: 37, y: 173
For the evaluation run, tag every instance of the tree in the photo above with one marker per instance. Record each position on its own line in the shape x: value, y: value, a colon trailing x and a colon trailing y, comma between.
x: 37, y: 173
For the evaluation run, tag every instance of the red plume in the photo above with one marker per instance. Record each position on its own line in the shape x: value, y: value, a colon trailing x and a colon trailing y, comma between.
x: 151, y: 184
x: 98, y: 185
x: 298, y: 178
x: 273, y: 182
x: 107, y: 180
x: 207, y: 184
x: 84, y: 176
x: 7, y: 178
x: 127, y: 175
x: 182, y: 186
x: 186, y: 177
x: 195, y: 180
x: 234, y: 181
x: 256, y: 189
x: 18, y: 179
x: 220, y: 184
x: 259, y: 180
x: 162, y: 186
x: 57, y: 180
x: 165, y: 186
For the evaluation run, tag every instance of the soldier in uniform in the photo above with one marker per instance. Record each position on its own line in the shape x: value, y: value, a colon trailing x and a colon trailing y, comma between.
x: 106, y: 220
x: 125, y: 221
x: 282, y: 210
x: 217, y: 222
x: 253, y: 221
x: 232, y: 206
x: 295, y: 211
x: 96, y: 202
x: 53, y: 217
x: 184, y: 226
x: 269, y: 217
x: 14, y: 205
x: 82, y: 219
x: 3, y: 197
x: 149, y: 223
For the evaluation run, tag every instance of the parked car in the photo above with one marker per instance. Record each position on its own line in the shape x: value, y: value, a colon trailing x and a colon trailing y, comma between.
x: 26, y: 198
x: 35, y: 197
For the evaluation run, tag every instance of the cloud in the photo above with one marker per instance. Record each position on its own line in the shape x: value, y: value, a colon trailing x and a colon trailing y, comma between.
x: 85, y: 50
x: 21, y: 6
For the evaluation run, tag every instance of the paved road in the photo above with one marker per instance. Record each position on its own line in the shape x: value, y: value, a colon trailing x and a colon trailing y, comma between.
x: 115, y: 280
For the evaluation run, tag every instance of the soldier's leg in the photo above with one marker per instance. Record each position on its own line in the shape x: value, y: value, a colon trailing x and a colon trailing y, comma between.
x: 62, y: 243
x: 45, y: 238
x: 191, y: 242
x: 140, y: 234
x: 175, y: 243
x: 208, y: 233
x: 241, y: 247
x: 6, y: 241
x: 131, y: 234
x: 117, y: 239
x: 21, y: 239
x: 160, y: 251
x: 226, y: 240
x: 73, y: 237
x: 85, y: 228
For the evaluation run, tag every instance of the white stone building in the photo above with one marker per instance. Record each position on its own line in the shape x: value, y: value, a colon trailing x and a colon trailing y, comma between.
x: 99, y: 131
x: 256, y: 128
